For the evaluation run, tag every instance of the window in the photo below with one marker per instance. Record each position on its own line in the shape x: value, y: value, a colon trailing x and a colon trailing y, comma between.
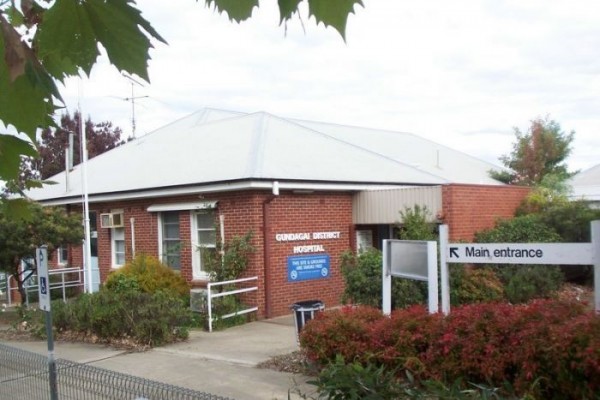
x: 170, y: 241
x: 204, y: 237
x: 118, y: 247
x: 63, y: 255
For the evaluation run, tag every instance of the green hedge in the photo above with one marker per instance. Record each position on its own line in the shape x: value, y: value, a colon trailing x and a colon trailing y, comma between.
x: 149, y: 319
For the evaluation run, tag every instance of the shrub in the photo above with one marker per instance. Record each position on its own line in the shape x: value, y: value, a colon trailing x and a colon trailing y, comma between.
x: 528, y: 228
x: 527, y: 282
x: 401, y: 339
x: 362, y: 277
x: 232, y: 262
x: 354, y: 381
x: 415, y: 224
x: 524, y: 282
x: 546, y: 349
x: 474, y: 285
x: 570, y: 219
x: 147, y: 274
x: 146, y: 318
x: 343, y: 331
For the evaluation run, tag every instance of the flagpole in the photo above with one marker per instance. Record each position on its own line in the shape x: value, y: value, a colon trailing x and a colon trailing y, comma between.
x: 89, y: 288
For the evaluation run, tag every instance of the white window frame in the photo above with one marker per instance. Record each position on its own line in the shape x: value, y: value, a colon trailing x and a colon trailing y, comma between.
x: 160, y: 240
x: 113, y: 246
x: 197, y: 272
x: 59, y: 255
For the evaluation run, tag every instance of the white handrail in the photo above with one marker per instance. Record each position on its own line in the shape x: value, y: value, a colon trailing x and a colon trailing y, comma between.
x: 211, y: 296
x: 62, y: 284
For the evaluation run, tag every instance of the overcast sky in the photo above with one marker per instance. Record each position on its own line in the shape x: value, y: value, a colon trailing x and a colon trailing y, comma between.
x: 461, y: 73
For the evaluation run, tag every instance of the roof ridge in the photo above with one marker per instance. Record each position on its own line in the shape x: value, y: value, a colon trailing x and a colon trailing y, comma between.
x: 403, y: 133
x: 356, y: 146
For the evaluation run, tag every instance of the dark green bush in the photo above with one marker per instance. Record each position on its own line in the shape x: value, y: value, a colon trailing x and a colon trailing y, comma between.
x: 524, y: 282
x: 362, y: 277
x: 150, y: 275
x: 147, y: 318
x: 523, y: 229
x: 571, y: 220
x: 354, y: 381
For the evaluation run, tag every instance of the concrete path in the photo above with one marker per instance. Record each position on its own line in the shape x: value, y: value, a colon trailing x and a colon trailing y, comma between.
x: 222, y: 363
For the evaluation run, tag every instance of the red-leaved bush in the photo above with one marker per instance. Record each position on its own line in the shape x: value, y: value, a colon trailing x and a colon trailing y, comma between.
x: 547, y: 348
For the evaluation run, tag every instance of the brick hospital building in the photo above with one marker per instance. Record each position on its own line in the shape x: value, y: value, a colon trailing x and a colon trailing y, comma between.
x: 308, y: 191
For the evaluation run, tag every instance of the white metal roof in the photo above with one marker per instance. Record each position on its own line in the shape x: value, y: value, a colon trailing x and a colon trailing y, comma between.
x: 586, y: 184
x: 216, y: 147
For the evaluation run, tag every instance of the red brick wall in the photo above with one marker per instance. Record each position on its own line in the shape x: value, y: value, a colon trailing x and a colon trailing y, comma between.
x: 471, y: 208
x: 307, y: 213
x: 243, y: 212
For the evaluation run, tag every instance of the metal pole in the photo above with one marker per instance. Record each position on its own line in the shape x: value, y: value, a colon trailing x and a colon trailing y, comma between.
x: 86, y: 208
x: 45, y: 306
x: 51, y: 360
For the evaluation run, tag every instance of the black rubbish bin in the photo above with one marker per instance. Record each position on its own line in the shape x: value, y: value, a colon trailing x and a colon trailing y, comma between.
x: 304, y: 311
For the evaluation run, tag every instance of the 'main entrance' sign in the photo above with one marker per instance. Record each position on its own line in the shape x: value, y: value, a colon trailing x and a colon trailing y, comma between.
x: 520, y: 253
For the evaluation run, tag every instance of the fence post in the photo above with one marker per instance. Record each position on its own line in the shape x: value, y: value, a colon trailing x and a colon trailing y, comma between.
x: 596, y: 249
x: 386, y: 276
x: 444, y: 272
x: 209, y: 303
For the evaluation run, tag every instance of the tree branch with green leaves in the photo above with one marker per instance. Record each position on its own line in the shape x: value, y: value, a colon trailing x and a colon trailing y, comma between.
x: 44, y: 42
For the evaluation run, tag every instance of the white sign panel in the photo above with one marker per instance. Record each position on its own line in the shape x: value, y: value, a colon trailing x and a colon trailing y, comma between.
x: 43, y: 281
x: 520, y: 253
x: 413, y: 260
x: 408, y: 259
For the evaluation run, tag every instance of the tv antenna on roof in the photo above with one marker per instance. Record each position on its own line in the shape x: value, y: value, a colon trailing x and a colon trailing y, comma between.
x: 132, y: 99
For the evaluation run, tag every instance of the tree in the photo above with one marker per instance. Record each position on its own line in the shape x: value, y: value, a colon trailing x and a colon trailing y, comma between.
x: 100, y: 137
x: 415, y: 224
x: 538, y: 156
x: 38, y: 48
x: 19, y: 238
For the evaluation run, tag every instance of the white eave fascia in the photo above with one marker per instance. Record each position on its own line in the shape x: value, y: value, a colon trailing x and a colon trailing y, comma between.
x: 198, y: 205
x: 222, y: 187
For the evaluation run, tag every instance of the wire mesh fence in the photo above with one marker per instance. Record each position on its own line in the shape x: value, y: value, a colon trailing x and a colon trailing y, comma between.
x: 24, y: 375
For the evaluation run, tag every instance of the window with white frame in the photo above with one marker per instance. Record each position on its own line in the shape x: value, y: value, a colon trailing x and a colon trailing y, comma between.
x: 170, y: 239
x: 118, y: 247
x: 62, y: 254
x: 204, y: 238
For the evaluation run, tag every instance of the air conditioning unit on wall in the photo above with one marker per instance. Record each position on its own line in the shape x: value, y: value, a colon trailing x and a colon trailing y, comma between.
x: 112, y: 220
x: 198, y: 301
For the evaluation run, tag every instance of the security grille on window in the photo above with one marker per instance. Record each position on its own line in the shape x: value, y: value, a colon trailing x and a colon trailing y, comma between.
x: 171, y: 240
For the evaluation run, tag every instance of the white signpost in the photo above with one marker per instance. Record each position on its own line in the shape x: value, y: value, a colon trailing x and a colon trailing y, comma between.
x: 521, y: 253
x: 413, y: 260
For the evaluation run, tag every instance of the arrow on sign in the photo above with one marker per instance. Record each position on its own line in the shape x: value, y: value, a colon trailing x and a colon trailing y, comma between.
x: 454, y: 252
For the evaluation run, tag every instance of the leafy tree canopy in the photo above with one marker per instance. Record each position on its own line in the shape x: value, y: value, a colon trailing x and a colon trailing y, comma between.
x: 538, y: 156
x: 100, y: 137
x: 43, y: 41
x: 46, y: 226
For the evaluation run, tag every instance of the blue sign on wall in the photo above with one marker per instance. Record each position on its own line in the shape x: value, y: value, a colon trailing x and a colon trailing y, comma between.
x: 304, y: 268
